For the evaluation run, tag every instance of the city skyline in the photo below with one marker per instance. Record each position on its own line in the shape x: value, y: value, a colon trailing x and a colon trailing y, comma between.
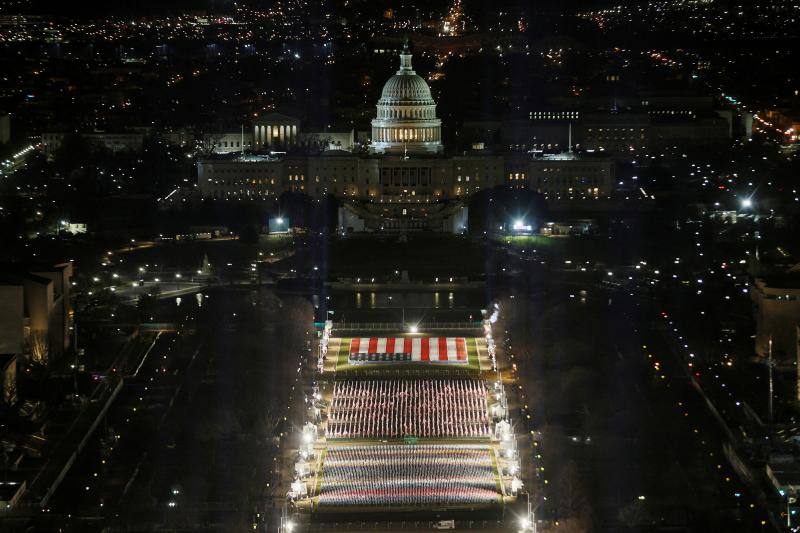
x: 306, y: 266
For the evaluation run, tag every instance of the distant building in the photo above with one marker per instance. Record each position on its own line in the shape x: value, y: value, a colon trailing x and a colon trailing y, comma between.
x: 5, y: 128
x: 776, y: 307
x: 788, y: 121
x: 115, y: 142
x: 403, y: 181
x: 570, y: 227
x: 328, y: 140
x: 612, y: 124
x: 569, y: 176
x: 35, y: 312
x: 275, y: 131
x: 228, y: 142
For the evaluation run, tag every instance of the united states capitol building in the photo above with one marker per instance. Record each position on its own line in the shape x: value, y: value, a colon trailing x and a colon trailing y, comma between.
x: 402, y: 179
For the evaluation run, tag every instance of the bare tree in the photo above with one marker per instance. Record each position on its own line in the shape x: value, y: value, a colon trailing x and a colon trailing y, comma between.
x: 573, y: 503
x: 207, y: 142
x: 636, y: 514
x: 39, y: 348
x: 10, y: 390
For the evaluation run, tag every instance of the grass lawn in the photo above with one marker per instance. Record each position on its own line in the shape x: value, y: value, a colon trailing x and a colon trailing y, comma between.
x: 399, y: 370
x: 424, y: 256
x: 189, y: 254
x: 539, y: 241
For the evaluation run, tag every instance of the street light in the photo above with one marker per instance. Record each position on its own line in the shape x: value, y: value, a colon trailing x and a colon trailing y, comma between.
x: 747, y: 203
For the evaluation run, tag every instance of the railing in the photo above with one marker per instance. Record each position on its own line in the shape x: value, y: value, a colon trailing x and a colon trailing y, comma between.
x: 405, y: 327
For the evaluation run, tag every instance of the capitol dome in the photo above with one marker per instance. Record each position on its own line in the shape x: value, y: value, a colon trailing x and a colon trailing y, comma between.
x: 409, y: 88
x: 406, y: 114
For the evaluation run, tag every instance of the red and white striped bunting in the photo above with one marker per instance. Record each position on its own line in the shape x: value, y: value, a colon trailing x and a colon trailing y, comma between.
x: 432, y: 349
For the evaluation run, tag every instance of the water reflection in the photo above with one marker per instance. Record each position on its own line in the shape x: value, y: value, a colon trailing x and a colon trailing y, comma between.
x: 395, y: 300
x: 434, y: 305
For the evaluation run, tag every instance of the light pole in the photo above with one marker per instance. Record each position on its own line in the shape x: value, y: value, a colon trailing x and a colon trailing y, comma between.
x: 530, y: 519
x: 770, y: 365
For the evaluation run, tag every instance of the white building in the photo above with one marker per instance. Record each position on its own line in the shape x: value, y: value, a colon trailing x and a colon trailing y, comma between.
x: 275, y: 131
x: 406, y: 121
x: 776, y: 306
x: 114, y: 142
x: 404, y: 181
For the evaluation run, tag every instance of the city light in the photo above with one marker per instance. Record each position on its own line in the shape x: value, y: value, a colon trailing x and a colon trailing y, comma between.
x: 520, y: 226
x: 515, y: 246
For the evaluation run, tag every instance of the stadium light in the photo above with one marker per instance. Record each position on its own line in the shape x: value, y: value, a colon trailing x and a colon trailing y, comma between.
x: 521, y: 226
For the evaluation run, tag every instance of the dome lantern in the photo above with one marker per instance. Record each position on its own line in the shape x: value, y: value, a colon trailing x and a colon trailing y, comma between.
x: 405, y: 60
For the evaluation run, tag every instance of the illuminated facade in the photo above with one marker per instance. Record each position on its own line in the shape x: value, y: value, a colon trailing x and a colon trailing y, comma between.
x: 402, y: 180
x: 275, y: 130
x: 406, y: 115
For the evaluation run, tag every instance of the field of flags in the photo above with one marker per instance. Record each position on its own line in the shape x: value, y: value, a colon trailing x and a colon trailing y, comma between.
x: 433, y: 408
x: 408, y: 475
x: 447, y: 408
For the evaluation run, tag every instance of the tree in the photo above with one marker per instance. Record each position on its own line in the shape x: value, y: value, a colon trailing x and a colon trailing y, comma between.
x: 297, y: 206
x: 72, y: 154
x: 572, y: 501
x: 207, y: 142
x: 249, y: 234
x: 39, y: 348
x: 635, y: 514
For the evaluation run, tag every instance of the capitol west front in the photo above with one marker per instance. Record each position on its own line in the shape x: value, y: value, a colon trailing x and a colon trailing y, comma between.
x: 404, y: 182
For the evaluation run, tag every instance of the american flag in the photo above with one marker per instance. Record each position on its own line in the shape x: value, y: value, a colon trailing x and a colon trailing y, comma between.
x: 414, y: 349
